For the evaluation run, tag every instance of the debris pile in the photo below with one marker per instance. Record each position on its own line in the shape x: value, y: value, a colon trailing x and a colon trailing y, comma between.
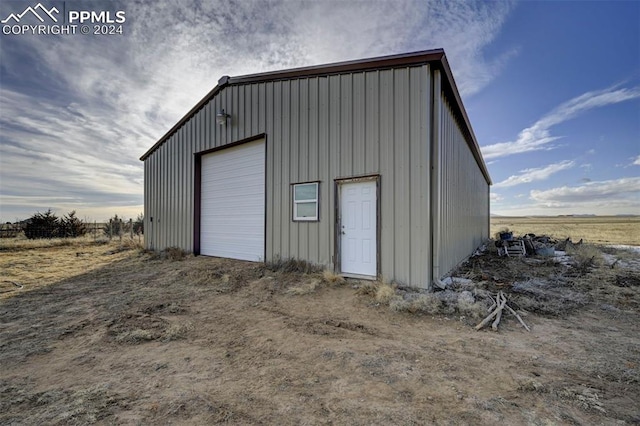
x: 530, y: 245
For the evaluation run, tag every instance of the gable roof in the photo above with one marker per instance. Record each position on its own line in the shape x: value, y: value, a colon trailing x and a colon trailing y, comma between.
x: 434, y: 57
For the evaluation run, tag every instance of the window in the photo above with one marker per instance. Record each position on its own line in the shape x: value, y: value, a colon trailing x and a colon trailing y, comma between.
x: 305, y: 201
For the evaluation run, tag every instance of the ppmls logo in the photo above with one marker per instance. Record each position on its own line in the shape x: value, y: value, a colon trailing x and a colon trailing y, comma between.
x: 33, y: 11
x: 50, y: 21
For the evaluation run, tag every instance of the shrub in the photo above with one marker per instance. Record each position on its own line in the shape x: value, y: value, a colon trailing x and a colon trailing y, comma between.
x: 71, y: 226
x: 42, y: 225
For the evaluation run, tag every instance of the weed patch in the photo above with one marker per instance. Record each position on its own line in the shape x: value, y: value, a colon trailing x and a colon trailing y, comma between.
x: 293, y: 265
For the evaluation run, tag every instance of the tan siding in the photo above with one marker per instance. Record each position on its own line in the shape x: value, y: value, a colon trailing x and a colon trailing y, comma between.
x: 387, y: 178
x: 464, y: 190
x: 267, y: 104
x: 324, y: 128
x: 345, y: 135
x: 419, y: 178
x: 401, y: 175
x: 372, y: 120
x: 325, y: 250
x: 358, y: 124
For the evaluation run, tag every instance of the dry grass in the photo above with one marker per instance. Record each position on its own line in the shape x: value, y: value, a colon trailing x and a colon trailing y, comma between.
x: 440, y: 303
x: 385, y: 292
x: 586, y: 255
x: 38, y: 263
x: 595, y: 230
x: 332, y: 278
x: 292, y: 265
x: 307, y: 287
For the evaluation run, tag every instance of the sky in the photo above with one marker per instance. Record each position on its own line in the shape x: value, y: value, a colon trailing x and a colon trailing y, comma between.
x: 552, y: 89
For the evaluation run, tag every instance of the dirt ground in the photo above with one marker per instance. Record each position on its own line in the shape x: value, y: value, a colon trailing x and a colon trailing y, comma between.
x: 148, y: 339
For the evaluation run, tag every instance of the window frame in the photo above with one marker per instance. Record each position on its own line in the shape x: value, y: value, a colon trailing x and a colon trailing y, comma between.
x: 295, y: 202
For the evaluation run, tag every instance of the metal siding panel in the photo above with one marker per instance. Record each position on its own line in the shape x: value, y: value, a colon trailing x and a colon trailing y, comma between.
x: 262, y: 106
x: 147, y: 196
x: 164, y: 211
x: 173, y: 191
x: 334, y: 153
x: 402, y: 217
x: 419, y: 190
x: 304, y: 228
x: 255, y: 109
x: 174, y: 204
x: 205, y: 131
x: 214, y: 128
x: 294, y: 163
x: 181, y: 177
x: 387, y: 155
x: 285, y: 168
x: 186, y: 218
x: 313, y: 160
x: 302, y: 136
x: 156, y: 199
x: 464, y: 189
x: 372, y: 127
x: 187, y: 185
x: 276, y: 143
x: 235, y: 111
x: 246, y: 111
x: 345, y: 97
x: 266, y: 118
x: 359, y: 124
x: 149, y: 237
x: 228, y: 128
x: 325, y: 248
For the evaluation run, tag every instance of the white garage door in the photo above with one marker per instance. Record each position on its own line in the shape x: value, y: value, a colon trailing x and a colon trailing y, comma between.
x: 232, y: 202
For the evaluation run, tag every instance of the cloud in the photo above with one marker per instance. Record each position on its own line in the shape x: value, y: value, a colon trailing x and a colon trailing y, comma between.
x: 536, y: 174
x: 636, y: 162
x: 78, y: 111
x: 494, y: 197
x: 621, y: 192
x: 538, y: 136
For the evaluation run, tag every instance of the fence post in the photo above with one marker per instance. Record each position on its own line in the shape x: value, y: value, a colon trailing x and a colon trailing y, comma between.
x: 131, y: 228
x: 110, y: 229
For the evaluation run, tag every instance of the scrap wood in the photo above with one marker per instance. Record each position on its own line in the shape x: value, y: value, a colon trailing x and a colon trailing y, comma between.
x: 503, y: 302
x: 518, y: 316
x: 496, y: 309
x: 492, y: 314
x: 493, y: 305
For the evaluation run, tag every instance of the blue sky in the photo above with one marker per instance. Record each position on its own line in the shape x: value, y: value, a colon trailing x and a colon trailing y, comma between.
x: 552, y: 90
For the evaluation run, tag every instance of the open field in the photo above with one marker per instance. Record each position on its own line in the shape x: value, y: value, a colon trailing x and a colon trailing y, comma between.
x: 593, y: 229
x: 109, y: 334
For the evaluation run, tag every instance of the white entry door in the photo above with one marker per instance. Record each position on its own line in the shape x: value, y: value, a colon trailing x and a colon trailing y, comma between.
x: 358, y: 228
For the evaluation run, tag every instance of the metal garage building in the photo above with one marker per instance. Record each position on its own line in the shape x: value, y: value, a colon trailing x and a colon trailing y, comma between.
x: 368, y: 167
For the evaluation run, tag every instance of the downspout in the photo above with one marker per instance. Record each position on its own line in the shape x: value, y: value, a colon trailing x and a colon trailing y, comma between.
x: 436, y: 196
